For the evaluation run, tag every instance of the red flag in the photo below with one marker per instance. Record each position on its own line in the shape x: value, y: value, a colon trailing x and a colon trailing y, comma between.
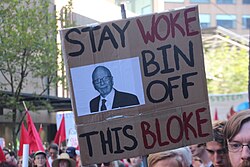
x: 24, y: 139
x: 61, y: 133
x: 216, y: 118
x: 231, y: 113
x: 35, y: 140
x: 40, y: 129
x: 2, y: 156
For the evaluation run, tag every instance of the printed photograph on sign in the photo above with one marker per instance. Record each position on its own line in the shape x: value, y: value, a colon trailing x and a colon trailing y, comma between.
x: 107, y: 86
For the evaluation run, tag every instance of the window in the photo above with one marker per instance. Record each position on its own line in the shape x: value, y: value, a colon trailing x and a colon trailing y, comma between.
x: 225, y: 1
x: 137, y: 6
x: 226, y: 21
x: 174, y: 1
x: 146, y: 10
x: 246, y: 1
x: 200, y: 1
x: 204, y: 20
x: 246, y: 21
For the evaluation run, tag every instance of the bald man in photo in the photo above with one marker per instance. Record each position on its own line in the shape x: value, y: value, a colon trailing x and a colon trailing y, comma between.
x: 109, y: 97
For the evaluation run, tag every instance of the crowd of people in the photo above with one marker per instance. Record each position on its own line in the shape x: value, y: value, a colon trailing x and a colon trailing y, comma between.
x: 230, y: 148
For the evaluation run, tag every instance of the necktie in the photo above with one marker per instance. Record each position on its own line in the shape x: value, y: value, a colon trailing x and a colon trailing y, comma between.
x: 103, y: 107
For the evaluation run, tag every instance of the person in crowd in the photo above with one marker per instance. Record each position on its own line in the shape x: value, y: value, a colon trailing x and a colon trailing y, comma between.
x: 185, y: 154
x: 109, y: 97
x: 6, y: 153
x: 107, y: 164
x: 237, y: 134
x: 13, y: 157
x: 20, y: 162
x: 79, y: 162
x: 119, y: 163
x: 40, y: 159
x: 78, y: 158
x: 196, y: 162
x: 217, y: 149
x: 7, y: 157
x: 32, y: 158
x: 136, y: 161
x: 53, y: 153
x: 10, y: 157
x: 72, y: 152
x: 126, y: 162
x: 165, y: 159
x: 5, y: 150
x: 64, y: 161
x: 199, y: 150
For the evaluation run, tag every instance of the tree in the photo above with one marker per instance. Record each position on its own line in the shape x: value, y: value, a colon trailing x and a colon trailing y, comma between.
x: 28, y: 51
x: 226, y: 69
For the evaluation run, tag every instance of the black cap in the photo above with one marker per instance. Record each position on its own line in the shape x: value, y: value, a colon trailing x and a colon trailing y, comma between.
x: 40, y: 152
x: 71, y: 151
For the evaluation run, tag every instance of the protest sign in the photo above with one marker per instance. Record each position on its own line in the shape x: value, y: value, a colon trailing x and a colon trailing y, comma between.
x: 70, y: 126
x: 155, y: 63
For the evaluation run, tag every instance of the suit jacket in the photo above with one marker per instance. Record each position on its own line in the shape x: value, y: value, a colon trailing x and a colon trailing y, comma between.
x: 121, y: 99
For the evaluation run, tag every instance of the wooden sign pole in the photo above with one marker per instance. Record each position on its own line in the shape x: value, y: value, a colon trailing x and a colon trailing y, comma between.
x: 123, y: 13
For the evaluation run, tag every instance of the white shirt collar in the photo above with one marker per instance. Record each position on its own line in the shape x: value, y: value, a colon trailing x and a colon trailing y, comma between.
x: 109, y: 100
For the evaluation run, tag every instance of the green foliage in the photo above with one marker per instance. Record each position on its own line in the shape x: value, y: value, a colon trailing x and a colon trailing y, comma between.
x: 226, y: 69
x: 28, y: 49
x: 27, y: 42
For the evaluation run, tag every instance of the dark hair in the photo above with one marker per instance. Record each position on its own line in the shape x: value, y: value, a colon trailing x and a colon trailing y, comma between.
x: 53, y: 146
x: 6, y: 151
x: 32, y: 155
x: 40, y: 152
x: 218, y: 128
x: 104, y: 163
x: 235, y: 123
x: 12, y: 153
x: 201, y: 144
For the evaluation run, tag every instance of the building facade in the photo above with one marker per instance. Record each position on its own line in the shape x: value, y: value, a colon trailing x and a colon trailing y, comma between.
x: 233, y: 15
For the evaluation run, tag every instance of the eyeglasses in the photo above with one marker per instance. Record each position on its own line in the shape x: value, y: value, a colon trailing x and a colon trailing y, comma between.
x: 236, y: 146
x: 103, y: 79
x: 219, y: 152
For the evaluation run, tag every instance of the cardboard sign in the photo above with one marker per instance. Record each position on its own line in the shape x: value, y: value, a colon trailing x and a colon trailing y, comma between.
x: 138, y: 85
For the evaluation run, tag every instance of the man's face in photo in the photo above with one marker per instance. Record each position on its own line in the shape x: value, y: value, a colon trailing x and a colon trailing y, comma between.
x: 102, y: 81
